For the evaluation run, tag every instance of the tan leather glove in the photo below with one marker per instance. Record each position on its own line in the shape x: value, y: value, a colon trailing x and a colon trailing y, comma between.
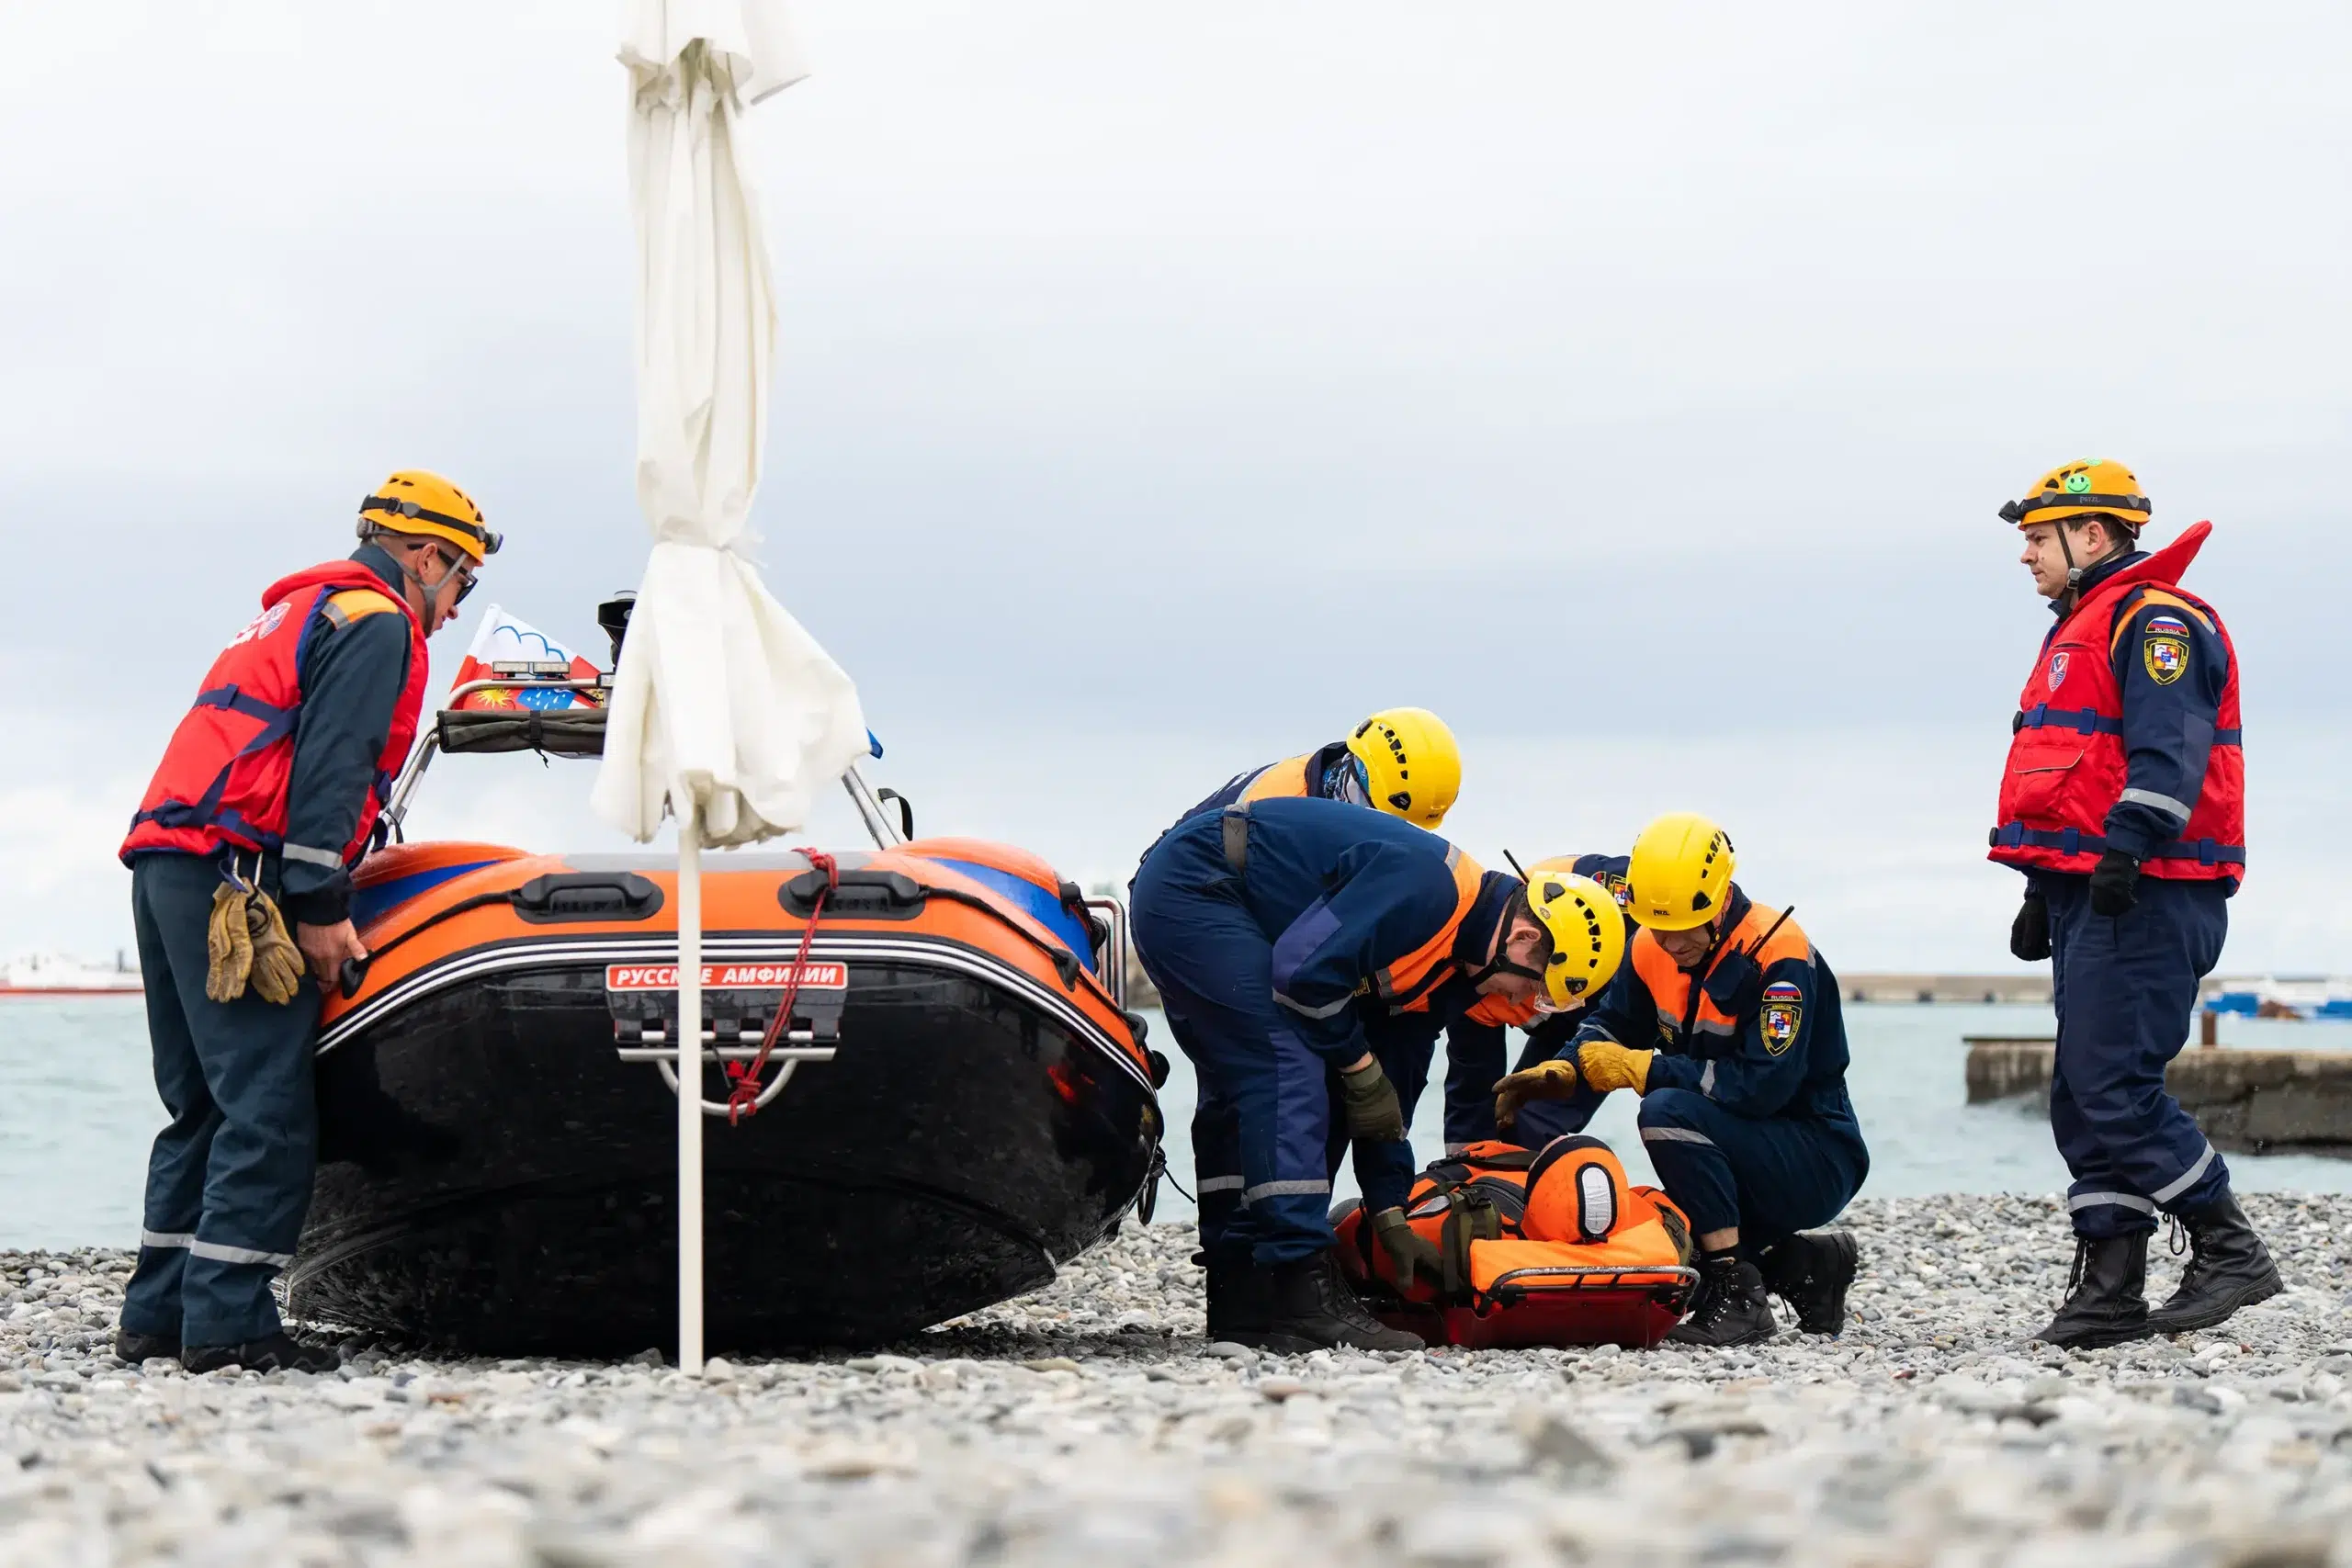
x: 276, y: 963
x: 1375, y: 1114
x: 1554, y: 1079
x: 1608, y: 1066
x: 228, y: 946
x: 1410, y: 1251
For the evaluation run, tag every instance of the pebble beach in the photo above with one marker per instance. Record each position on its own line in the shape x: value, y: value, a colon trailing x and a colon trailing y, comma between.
x: 1091, y: 1424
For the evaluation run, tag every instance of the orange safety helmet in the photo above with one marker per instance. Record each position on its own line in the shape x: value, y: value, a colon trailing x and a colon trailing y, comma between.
x: 2098, y: 487
x: 417, y: 501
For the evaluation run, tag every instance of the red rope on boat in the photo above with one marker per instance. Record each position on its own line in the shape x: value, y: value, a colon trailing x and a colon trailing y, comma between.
x: 743, y: 1099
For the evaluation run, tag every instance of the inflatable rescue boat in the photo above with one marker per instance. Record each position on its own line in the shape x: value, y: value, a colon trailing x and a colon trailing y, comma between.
x: 1541, y: 1248
x: 925, y: 1087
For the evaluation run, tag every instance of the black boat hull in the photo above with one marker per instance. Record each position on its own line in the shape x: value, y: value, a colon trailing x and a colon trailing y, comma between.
x: 495, y: 1179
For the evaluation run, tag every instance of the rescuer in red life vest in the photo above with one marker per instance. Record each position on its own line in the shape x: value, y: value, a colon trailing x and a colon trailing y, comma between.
x: 2123, y: 802
x: 267, y: 796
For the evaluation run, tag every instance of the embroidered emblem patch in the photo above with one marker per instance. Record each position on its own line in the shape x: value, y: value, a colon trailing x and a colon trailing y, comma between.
x: 268, y: 621
x: 1617, y: 888
x: 2166, y: 658
x: 1783, y: 1011
x: 2058, y: 669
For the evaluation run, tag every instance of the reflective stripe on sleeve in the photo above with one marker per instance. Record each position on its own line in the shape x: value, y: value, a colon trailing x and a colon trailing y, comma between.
x: 218, y: 1253
x: 2150, y: 798
x: 1707, y: 1080
x: 1675, y: 1136
x: 1221, y: 1184
x: 305, y: 854
x: 1328, y: 1011
x: 2166, y: 1195
x: 166, y: 1238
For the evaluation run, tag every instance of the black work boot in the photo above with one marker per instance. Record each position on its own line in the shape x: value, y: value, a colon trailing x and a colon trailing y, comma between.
x: 279, y: 1353
x: 2228, y: 1268
x: 2107, y: 1300
x: 1237, y: 1296
x: 1812, y: 1271
x: 1731, y: 1308
x: 136, y: 1348
x: 1311, y: 1306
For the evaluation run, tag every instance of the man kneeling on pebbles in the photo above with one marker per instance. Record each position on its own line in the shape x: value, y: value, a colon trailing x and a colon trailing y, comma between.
x: 1744, y: 1104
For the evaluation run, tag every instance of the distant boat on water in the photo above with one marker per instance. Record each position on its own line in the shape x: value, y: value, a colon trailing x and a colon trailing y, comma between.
x: 2281, y: 996
x: 56, y: 975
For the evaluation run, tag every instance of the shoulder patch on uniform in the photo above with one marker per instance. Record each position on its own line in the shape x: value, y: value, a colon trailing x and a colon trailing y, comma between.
x: 1782, y: 1013
x: 357, y: 603
x: 2165, y: 654
x: 2057, y: 669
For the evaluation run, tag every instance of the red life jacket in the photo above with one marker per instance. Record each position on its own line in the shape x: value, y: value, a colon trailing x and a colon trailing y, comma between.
x: 223, y: 778
x: 2067, y: 767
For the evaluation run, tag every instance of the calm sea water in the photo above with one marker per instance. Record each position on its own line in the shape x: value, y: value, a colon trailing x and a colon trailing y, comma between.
x: 77, y: 1108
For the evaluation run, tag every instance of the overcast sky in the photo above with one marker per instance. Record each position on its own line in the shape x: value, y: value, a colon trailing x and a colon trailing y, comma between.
x: 1162, y: 387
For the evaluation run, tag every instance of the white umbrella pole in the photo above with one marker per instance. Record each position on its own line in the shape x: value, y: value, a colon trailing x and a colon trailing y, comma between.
x: 690, y: 1092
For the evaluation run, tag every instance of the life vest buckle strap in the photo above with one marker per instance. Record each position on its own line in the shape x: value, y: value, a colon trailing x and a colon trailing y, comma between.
x: 2083, y: 721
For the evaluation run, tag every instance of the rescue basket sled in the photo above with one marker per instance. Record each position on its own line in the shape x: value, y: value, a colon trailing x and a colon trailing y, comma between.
x: 955, y: 1101
x: 1541, y: 1248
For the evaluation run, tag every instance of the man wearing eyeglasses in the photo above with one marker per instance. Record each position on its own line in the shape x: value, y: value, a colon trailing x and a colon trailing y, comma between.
x: 267, y: 797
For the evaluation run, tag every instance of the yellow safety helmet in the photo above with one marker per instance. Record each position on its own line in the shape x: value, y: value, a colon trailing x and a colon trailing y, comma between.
x: 1680, y: 874
x: 1411, y: 765
x: 414, y: 501
x: 2095, y: 486
x: 1587, y: 932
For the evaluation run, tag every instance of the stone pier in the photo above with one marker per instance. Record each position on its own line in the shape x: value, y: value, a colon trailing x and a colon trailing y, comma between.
x: 2253, y: 1102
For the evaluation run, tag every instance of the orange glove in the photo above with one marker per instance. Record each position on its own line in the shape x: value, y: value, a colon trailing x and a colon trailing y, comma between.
x: 1607, y: 1065
x: 1554, y: 1079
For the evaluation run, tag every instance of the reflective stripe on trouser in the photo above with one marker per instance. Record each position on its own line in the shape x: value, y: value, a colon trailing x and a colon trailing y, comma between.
x: 2126, y: 990
x: 229, y: 1179
x: 1770, y: 1176
x: 1262, y: 1092
x: 1385, y: 1172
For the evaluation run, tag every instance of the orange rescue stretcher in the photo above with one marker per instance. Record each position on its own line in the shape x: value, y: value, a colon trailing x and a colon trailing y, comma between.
x: 1541, y: 1248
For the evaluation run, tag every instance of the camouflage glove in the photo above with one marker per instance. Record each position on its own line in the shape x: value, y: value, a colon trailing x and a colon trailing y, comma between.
x: 1607, y: 1066
x: 1374, y: 1116
x: 1554, y: 1079
x: 276, y: 963
x: 228, y: 946
x: 1410, y: 1251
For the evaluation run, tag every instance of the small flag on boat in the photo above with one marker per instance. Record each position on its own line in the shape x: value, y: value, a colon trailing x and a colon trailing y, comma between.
x: 505, y: 647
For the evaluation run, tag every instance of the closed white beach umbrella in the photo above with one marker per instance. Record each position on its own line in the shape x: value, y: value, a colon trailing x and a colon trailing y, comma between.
x: 724, y: 711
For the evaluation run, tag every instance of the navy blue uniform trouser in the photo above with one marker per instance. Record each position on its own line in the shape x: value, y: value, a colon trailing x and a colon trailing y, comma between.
x: 2126, y: 989
x: 1770, y: 1176
x: 229, y: 1180
x: 1263, y: 1116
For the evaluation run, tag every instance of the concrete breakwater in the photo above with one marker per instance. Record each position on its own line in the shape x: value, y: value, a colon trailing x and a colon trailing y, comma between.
x: 1089, y: 1424
x: 2249, y: 1100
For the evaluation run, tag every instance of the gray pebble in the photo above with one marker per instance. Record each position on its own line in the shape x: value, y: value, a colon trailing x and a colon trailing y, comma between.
x: 1090, y: 1422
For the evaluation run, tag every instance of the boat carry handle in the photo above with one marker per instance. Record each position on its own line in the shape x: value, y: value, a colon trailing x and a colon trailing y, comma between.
x: 860, y: 894
x: 664, y: 1057
x: 559, y: 896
